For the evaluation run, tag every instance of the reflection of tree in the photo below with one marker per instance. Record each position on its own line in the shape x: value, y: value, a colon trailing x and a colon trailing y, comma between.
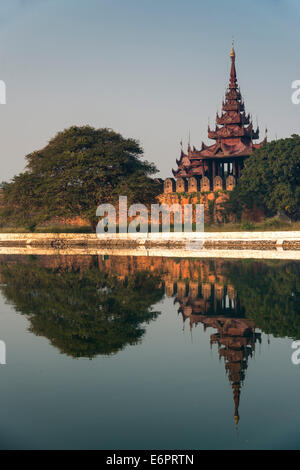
x: 83, y: 312
x: 270, y: 295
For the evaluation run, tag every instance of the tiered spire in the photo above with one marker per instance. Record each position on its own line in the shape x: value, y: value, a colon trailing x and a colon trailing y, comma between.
x: 233, y: 79
x: 234, y: 122
x: 234, y: 134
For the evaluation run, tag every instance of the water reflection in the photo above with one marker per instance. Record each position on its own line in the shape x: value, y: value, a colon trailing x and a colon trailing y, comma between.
x: 87, y: 306
x: 236, y: 299
x: 81, y: 309
x: 236, y: 339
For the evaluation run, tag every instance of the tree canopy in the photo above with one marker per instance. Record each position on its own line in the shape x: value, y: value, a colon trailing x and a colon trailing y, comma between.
x: 271, y: 179
x: 79, y: 169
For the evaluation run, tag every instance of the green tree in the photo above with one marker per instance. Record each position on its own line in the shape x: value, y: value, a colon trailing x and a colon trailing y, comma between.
x: 79, y: 169
x: 271, y: 180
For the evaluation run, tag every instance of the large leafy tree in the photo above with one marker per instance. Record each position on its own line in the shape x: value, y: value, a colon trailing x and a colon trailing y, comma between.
x: 79, y: 169
x: 271, y: 179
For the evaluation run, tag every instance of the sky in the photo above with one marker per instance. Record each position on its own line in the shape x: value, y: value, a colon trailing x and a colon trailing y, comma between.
x: 154, y: 70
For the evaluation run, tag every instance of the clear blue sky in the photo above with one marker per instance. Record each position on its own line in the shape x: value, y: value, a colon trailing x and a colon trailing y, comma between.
x: 150, y: 69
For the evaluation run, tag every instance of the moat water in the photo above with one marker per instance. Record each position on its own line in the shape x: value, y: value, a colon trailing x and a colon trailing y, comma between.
x: 112, y: 352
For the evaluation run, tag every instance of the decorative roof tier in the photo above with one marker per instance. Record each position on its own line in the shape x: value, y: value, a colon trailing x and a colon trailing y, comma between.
x: 233, y: 133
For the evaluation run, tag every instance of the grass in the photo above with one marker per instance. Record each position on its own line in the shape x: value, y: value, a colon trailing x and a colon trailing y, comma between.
x: 14, y: 230
x: 48, y: 229
x: 272, y: 224
x: 66, y: 229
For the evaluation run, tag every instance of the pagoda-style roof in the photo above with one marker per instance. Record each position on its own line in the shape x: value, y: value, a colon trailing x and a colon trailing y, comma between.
x: 233, y: 133
x: 231, y: 117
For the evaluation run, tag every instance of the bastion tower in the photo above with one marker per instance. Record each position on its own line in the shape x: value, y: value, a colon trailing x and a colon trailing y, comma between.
x: 218, y: 166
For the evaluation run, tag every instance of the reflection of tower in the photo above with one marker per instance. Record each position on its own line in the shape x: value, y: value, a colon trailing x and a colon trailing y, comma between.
x: 236, y: 338
x: 206, y: 298
x: 236, y: 398
x: 169, y: 288
x: 193, y: 289
x: 217, y: 306
x: 181, y: 288
x: 236, y: 342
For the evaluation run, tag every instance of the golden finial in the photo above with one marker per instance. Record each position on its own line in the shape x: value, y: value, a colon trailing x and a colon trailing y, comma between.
x: 232, y: 52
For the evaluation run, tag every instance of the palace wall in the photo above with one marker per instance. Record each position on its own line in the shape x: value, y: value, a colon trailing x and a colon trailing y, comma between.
x: 196, y: 184
x: 213, y: 193
x: 214, y: 204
